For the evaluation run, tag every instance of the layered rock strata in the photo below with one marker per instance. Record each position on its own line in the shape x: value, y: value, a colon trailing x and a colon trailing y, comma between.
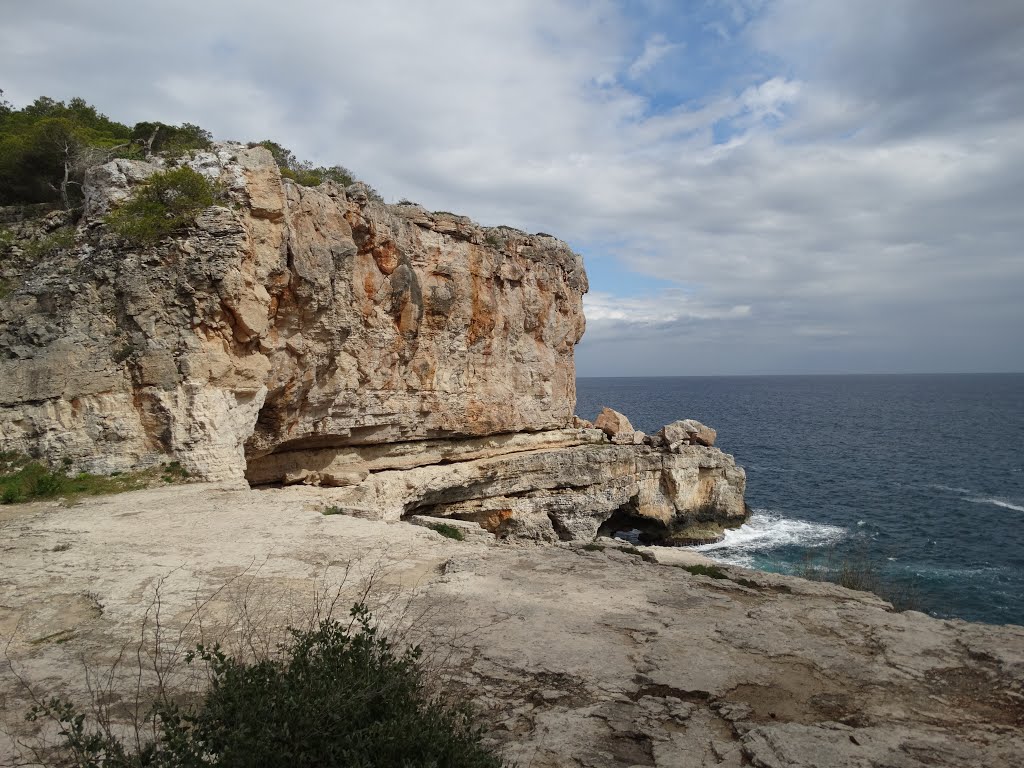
x: 548, y: 486
x: 417, y: 361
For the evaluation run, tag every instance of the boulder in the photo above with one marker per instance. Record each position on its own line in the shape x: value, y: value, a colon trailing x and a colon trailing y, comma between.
x: 614, y: 424
x: 687, y: 432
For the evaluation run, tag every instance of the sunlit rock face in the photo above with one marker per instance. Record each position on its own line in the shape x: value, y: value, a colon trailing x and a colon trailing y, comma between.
x: 288, y: 317
x: 415, y: 361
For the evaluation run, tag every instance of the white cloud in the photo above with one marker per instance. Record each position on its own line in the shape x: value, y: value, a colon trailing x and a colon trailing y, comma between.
x: 655, y: 49
x: 610, y: 315
x: 869, y: 180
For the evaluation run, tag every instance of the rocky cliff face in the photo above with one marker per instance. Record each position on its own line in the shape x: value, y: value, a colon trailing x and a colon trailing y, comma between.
x: 419, y: 361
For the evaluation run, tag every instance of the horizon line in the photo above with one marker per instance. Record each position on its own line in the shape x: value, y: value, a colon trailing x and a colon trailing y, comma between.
x: 793, y: 375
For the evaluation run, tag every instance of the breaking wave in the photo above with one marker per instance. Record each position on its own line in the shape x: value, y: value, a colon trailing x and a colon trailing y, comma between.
x: 767, y: 530
x: 998, y: 503
x: 976, y: 499
x: 950, y: 488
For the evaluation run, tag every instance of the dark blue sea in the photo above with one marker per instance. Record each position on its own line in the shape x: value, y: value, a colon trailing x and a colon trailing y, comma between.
x: 921, y: 474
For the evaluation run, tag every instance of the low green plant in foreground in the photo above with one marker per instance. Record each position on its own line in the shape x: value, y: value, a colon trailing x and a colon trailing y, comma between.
x: 22, y: 479
x: 449, y: 531
x: 336, y: 696
x: 166, y: 204
x: 711, y: 571
x: 174, y: 472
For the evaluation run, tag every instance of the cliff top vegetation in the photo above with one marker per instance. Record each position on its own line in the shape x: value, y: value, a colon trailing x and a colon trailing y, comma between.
x: 47, y: 146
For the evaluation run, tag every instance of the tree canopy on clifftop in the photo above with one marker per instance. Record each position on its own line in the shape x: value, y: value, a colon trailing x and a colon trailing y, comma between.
x: 47, y: 146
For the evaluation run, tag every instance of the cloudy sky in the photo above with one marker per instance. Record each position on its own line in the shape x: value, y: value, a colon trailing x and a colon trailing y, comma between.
x: 757, y: 186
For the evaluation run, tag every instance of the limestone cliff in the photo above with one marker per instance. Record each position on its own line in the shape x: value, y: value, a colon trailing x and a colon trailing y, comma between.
x: 419, y: 361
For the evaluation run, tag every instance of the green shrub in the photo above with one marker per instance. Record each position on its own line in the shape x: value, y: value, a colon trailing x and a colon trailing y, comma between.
x: 22, y: 479
x: 46, y: 485
x: 712, y: 571
x: 46, y: 147
x: 166, y: 204
x: 303, y: 172
x: 308, y: 176
x: 174, y: 472
x: 171, y: 140
x: 449, y: 531
x: 47, y: 245
x: 337, y: 696
x: 333, y: 511
x: 123, y: 352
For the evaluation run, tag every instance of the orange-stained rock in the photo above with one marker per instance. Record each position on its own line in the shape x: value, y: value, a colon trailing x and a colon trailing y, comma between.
x: 615, y: 425
x: 287, y: 318
x: 407, y: 362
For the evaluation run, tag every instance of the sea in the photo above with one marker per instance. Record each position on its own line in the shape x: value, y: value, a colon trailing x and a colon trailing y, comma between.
x: 922, y: 476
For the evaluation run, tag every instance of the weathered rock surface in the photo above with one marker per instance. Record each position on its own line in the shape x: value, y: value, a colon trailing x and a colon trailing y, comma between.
x: 687, y: 432
x: 615, y: 425
x: 417, y: 361
x: 288, y: 318
x: 573, y: 657
x: 545, y: 486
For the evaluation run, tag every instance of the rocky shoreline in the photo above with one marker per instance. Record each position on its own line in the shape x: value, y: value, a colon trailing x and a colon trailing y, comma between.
x: 416, y: 362
x: 342, y: 376
x: 571, y: 655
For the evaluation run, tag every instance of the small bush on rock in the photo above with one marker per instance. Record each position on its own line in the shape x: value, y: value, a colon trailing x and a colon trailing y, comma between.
x: 47, y: 245
x: 449, y: 531
x: 711, y: 571
x: 168, y: 203
x: 338, y: 695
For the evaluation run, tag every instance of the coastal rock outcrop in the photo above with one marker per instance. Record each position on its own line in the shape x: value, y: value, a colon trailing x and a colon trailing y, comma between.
x: 572, y: 655
x: 413, y: 362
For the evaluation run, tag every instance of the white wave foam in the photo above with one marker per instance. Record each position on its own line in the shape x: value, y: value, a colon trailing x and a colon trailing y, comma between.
x: 950, y: 488
x: 766, y: 530
x: 998, y: 503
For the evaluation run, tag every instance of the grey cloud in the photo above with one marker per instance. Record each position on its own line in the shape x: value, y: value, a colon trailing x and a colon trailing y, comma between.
x: 867, y: 210
x: 918, y: 66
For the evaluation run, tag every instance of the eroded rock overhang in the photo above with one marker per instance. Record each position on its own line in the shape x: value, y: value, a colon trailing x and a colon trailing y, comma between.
x: 416, y: 359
